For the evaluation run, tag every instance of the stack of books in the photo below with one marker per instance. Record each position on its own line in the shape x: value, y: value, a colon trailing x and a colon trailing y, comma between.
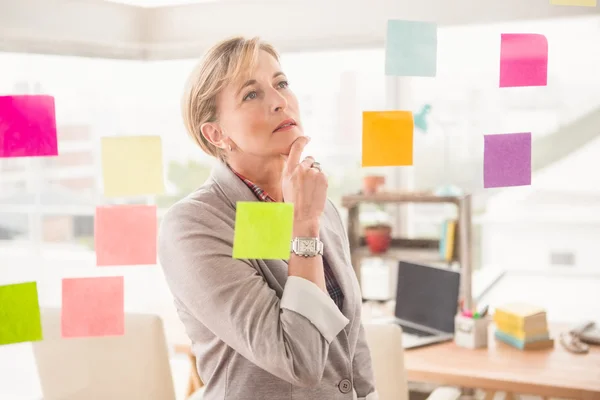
x: 523, y: 326
x: 448, y: 244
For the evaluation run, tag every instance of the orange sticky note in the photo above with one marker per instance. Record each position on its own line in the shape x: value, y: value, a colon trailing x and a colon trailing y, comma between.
x: 387, y: 138
x: 93, y: 307
x: 125, y: 235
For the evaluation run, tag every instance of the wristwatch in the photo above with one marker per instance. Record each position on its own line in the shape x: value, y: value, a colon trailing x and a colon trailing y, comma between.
x: 307, y: 246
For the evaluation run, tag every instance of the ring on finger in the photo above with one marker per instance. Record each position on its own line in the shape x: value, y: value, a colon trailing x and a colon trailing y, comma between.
x: 316, y: 165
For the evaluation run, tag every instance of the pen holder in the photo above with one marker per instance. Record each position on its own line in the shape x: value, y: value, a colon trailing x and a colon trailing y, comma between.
x: 471, y: 333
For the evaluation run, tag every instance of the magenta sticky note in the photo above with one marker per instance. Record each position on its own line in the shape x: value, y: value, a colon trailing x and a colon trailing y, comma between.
x: 507, y: 160
x: 125, y: 235
x: 27, y: 126
x: 523, y: 60
x: 93, y: 307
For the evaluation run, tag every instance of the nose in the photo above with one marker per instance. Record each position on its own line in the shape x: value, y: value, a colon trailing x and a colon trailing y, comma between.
x: 279, y: 102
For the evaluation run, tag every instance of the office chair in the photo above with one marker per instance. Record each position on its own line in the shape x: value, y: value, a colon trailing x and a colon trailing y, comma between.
x: 129, y: 367
x: 387, y: 356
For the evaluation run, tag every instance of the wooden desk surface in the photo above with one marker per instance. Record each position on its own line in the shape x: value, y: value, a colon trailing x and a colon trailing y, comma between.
x: 552, y: 372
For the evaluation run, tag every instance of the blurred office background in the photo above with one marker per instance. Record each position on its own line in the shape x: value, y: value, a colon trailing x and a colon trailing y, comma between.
x: 536, y: 243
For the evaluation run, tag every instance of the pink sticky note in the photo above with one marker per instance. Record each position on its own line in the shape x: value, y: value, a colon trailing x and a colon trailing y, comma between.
x: 507, y: 160
x: 93, y: 307
x: 523, y: 60
x: 125, y: 235
x: 27, y: 126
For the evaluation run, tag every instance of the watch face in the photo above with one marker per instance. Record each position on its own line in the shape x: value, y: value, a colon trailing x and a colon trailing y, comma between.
x: 307, y: 246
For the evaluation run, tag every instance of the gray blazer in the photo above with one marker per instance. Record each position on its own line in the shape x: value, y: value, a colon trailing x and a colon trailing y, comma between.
x: 256, y: 333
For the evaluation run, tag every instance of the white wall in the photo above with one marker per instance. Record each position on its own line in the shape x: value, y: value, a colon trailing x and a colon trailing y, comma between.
x: 80, y: 27
x: 103, y: 29
x: 526, y: 245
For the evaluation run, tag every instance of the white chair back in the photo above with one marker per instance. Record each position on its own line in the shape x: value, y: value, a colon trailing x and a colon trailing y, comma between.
x: 129, y: 367
x: 387, y: 355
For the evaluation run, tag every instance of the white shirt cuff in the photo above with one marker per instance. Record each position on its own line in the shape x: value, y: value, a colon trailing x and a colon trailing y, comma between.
x: 307, y: 299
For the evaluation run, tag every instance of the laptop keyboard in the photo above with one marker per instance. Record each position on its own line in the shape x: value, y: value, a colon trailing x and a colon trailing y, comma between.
x: 414, y: 331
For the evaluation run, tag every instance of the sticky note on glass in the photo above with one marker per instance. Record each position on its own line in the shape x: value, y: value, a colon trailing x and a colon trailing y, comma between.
x: 27, y: 126
x: 132, y: 166
x: 263, y: 230
x: 92, y: 307
x: 523, y: 60
x: 19, y: 313
x: 125, y: 235
x: 582, y: 3
x: 507, y: 160
x: 411, y: 48
x: 387, y: 138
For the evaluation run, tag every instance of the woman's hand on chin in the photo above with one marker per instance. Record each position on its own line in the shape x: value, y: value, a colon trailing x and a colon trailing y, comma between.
x: 305, y: 187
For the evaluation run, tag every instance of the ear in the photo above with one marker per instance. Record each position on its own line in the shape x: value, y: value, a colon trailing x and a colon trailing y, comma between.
x: 213, y: 134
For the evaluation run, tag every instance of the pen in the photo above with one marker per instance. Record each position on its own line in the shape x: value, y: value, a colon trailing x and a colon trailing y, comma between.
x: 484, y: 312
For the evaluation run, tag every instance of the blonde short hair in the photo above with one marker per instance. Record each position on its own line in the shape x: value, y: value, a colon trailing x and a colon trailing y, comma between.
x: 227, y: 61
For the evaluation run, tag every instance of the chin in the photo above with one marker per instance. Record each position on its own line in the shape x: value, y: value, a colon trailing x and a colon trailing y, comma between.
x: 289, y: 138
x: 282, y: 141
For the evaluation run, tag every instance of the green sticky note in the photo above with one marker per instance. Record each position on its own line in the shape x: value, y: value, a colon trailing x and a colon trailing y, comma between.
x: 263, y: 230
x: 20, y: 319
x: 411, y: 48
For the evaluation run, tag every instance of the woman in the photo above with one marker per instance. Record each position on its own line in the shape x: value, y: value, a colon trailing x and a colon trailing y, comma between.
x: 262, y: 329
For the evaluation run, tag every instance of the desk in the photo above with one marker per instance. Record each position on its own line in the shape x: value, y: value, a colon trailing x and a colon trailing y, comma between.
x: 553, y: 372
x: 545, y: 373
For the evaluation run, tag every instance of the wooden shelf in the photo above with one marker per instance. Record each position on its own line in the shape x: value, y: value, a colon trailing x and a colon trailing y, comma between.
x: 423, y: 250
x: 350, y: 201
x: 425, y: 256
x: 463, y: 204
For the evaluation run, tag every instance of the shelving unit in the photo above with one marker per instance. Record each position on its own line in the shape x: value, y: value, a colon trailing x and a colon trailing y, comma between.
x: 463, y: 204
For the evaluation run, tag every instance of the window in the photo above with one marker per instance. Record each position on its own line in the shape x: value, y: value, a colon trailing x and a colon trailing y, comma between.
x: 47, y: 205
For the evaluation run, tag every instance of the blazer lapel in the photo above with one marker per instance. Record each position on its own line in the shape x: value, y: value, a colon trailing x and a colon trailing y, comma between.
x: 232, y: 187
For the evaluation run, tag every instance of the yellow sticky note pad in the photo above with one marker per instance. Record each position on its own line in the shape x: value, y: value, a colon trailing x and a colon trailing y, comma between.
x: 582, y: 3
x: 263, y: 230
x: 387, y: 138
x: 132, y: 166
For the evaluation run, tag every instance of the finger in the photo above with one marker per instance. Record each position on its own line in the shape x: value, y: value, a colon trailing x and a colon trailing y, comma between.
x: 295, y: 153
x: 307, y: 162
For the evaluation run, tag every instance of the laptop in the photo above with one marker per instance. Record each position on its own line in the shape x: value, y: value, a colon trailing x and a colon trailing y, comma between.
x: 426, y: 304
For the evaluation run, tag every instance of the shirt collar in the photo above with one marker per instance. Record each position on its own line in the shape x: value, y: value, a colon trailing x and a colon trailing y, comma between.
x: 258, y: 192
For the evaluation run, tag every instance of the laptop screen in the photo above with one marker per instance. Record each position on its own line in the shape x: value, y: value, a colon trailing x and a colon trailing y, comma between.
x: 427, y: 295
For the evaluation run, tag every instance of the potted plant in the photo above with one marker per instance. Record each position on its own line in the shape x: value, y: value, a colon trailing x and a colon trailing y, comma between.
x: 378, y: 231
x: 371, y: 183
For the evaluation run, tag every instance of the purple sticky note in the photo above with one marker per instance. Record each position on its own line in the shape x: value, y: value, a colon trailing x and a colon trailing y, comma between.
x: 27, y: 126
x: 507, y: 160
x: 523, y: 60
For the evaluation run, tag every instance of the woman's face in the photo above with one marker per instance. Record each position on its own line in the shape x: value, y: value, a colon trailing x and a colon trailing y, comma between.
x: 260, y: 115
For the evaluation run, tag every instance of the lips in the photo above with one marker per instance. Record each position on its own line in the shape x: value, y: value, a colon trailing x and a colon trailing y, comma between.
x: 285, y: 124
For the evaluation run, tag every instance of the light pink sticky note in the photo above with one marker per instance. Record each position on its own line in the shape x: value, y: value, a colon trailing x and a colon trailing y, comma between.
x: 523, y: 60
x: 27, y: 126
x: 125, y: 235
x: 93, y: 307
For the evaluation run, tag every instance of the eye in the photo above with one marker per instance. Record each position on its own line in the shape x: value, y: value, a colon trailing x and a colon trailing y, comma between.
x: 250, y: 96
x: 283, y: 84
